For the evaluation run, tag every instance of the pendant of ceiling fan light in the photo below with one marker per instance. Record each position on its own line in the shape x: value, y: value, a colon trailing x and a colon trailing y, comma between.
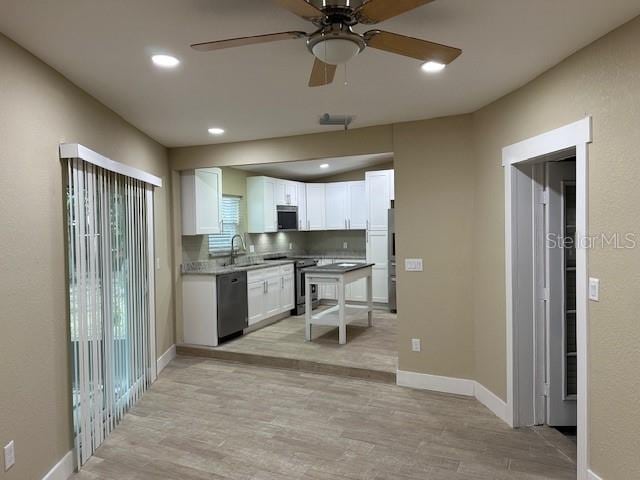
x: 335, y: 51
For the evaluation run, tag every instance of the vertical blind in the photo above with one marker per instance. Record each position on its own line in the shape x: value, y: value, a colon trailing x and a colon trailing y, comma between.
x: 109, y: 240
x: 221, y: 242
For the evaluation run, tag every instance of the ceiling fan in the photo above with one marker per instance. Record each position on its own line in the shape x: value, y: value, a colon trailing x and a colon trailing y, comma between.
x: 335, y: 43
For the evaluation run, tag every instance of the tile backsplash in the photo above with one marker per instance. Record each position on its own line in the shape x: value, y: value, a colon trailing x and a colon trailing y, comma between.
x: 195, y: 248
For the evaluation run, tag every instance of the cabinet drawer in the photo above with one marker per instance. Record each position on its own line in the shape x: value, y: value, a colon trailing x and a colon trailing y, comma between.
x: 262, y: 274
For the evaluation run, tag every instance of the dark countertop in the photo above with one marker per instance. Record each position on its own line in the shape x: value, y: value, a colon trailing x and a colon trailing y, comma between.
x: 341, y: 267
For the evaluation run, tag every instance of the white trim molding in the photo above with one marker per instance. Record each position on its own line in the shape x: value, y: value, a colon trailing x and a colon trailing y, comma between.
x: 435, y: 383
x: 63, y: 469
x: 456, y: 386
x: 573, y: 137
x: 75, y: 150
x: 166, y: 358
x: 591, y: 475
x: 491, y: 401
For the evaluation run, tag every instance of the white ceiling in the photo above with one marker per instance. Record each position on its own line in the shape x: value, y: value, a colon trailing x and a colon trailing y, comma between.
x: 310, y: 169
x: 260, y: 91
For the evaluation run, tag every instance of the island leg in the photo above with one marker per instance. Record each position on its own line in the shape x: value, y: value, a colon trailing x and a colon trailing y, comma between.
x: 342, y: 326
x: 307, y: 309
x: 370, y: 297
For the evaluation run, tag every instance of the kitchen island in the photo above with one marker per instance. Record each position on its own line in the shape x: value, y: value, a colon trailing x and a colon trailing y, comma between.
x: 338, y: 274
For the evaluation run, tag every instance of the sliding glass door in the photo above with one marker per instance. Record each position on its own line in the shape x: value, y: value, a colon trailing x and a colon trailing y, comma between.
x: 109, y: 220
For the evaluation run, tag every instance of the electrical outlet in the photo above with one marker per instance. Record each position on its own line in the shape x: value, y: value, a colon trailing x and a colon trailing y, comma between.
x: 291, y: 246
x: 252, y: 249
x: 157, y: 263
x: 9, y: 456
x: 345, y: 245
x: 415, y: 345
x: 594, y: 289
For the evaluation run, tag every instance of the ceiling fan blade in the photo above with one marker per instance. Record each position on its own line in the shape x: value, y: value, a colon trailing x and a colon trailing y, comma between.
x: 375, y: 11
x: 411, y: 47
x: 242, y: 41
x: 302, y: 8
x: 322, y: 74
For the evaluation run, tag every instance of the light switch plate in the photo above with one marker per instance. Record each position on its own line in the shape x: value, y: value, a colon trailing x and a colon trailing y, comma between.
x: 9, y: 455
x: 291, y: 246
x: 415, y: 345
x: 594, y: 289
x: 413, y: 264
x: 157, y: 263
x: 252, y: 249
x: 345, y: 245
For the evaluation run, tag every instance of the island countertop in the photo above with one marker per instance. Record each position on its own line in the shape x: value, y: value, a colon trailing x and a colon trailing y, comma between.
x: 337, y: 268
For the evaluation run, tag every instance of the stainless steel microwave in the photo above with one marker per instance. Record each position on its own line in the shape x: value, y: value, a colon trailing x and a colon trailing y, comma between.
x: 287, y: 218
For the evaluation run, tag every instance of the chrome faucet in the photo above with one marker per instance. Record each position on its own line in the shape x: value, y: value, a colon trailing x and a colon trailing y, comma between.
x: 232, y: 257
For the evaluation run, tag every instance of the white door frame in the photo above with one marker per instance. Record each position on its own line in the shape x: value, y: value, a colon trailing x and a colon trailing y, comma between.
x: 575, y: 136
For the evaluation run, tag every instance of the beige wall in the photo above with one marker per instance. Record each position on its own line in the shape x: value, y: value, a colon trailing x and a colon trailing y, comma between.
x: 602, y: 80
x: 354, y: 175
x: 38, y: 110
x: 433, y: 163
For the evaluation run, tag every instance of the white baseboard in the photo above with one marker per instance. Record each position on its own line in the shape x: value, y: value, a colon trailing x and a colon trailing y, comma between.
x: 435, y: 383
x: 592, y: 476
x: 63, y: 469
x: 458, y: 386
x: 165, y: 358
x: 491, y: 401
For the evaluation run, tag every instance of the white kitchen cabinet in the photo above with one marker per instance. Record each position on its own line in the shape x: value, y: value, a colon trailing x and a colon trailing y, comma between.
x: 286, y: 193
x: 272, y: 298
x: 201, y: 192
x: 316, y: 219
x: 378, y: 199
x: 288, y: 292
x: 199, y: 310
x: 270, y: 292
x: 302, y: 206
x: 357, y: 214
x: 255, y: 299
x: 336, y: 206
x: 262, y: 216
x: 378, y: 253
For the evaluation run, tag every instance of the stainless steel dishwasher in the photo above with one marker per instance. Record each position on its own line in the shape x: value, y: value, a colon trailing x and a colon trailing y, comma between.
x: 233, y: 312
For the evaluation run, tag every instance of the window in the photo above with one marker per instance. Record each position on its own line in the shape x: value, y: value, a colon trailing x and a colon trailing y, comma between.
x: 221, y: 242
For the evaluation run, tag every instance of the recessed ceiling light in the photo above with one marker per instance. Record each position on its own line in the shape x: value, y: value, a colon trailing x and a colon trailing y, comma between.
x: 433, y: 67
x: 324, y: 165
x: 216, y: 131
x: 165, y: 61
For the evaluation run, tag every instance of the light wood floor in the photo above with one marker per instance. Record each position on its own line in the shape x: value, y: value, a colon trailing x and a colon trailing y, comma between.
x: 205, y: 419
x: 371, y: 348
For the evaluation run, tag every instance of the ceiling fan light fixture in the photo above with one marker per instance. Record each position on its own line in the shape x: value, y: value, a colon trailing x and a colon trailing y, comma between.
x: 433, y: 67
x: 336, y: 51
x: 165, y: 61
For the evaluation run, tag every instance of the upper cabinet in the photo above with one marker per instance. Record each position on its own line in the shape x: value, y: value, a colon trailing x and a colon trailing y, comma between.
x: 201, y: 192
x: 286, y: 193
x: 378, y: 185
x: 302, y: 206
x: 262, y: 216
x: 316, y: 197
x: 345, y: 206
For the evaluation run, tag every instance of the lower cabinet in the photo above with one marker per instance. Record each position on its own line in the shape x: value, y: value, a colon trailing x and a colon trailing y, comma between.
x: 270, y: 292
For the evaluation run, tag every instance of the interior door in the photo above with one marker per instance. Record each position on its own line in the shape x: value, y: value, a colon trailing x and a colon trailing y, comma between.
x: 561, y: 371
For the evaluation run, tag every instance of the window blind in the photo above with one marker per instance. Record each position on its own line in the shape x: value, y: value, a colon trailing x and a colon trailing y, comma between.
x: 109, y: 221
x: 231, y: 219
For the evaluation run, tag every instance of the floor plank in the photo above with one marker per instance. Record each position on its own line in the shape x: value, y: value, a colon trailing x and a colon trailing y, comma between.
x: 206, y: 419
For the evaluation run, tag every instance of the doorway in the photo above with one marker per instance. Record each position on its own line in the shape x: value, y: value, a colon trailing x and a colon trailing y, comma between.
x: 546, y: 375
